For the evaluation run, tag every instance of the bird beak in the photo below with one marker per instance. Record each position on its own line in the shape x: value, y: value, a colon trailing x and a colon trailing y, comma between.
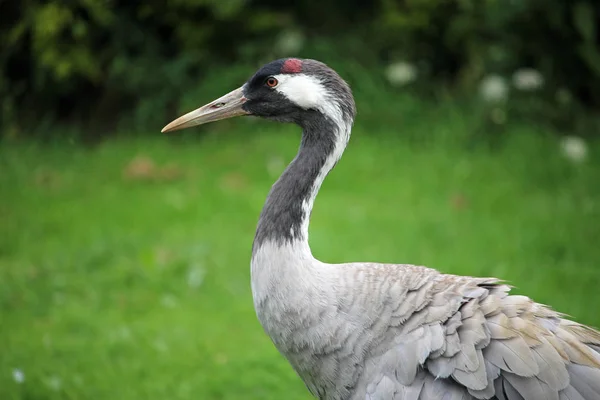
x: 227, y: 106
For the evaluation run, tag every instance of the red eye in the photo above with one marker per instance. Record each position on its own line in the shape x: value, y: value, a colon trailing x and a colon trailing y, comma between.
x: 271, y: 82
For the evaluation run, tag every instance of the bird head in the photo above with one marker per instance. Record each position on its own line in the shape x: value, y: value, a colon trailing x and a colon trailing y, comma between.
x: 286, y: 90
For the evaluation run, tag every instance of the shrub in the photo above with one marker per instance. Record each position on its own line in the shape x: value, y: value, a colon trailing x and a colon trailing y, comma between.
x: 96, y: 63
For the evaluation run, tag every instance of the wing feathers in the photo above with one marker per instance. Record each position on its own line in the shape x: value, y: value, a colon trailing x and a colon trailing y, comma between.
x: 512, y: 355
x: 507, y: 391
x: 553, y: 370
x: 581, y: 374
x: 485, y: 344
x: 570, y: 394
x: 474, y: 379
x: 531, y: 388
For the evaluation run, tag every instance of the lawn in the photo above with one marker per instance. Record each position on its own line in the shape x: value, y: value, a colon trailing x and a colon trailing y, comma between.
x: 124, y: 268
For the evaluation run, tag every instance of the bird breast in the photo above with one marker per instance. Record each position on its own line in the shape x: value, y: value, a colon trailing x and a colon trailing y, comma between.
x: 292, y: 291
x: 295, y: 298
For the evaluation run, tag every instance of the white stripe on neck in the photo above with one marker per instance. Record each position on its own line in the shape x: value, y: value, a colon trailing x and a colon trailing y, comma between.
x: 342, y: 136
x: 308, y: 92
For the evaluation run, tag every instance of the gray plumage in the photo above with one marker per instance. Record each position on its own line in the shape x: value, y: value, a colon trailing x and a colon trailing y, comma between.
x: 371, y: 331
x: 367, y: 331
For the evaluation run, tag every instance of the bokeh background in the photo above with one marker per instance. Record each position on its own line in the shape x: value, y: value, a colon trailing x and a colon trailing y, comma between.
x: 124, y: 253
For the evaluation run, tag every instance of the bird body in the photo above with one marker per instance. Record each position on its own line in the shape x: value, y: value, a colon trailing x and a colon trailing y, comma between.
x: 373, y: 331
x: 383, y: 331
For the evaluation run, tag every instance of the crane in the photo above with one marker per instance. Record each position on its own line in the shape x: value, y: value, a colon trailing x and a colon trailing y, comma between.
x: 374, y: 331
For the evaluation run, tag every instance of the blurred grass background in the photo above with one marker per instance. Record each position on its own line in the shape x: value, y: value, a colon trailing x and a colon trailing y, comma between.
x: 124, y: 253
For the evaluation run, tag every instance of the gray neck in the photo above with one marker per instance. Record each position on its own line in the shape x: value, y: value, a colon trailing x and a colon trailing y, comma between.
x: 285, y: 215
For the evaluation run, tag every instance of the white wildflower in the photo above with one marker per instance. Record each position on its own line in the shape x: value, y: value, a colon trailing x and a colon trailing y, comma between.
x: 493, y: 88
x: 54, y: 382
x: 290, y: 42
x: 401, y: 73
x: 124, y: 333
x: 195, y: 277
x: 160, y: 345
x: 574, y: 148
x: 18, y: 375
x: 118, y: 334
x: 169, y: 301
x: 527, y: 79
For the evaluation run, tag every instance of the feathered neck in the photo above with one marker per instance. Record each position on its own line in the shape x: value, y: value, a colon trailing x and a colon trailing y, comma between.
x: 285, y: 216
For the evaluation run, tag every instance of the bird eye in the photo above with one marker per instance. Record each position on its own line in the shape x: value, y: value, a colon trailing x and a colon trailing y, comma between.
x: 271, y: 82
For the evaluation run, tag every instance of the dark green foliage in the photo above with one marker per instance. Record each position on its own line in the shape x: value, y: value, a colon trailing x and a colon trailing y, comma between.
x: 95, y: 63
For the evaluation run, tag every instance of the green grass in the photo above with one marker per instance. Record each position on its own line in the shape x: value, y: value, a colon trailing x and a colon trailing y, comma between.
x: 119, y: 287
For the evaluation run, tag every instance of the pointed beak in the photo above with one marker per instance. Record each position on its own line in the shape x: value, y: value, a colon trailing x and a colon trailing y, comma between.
x: 227, y: 106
